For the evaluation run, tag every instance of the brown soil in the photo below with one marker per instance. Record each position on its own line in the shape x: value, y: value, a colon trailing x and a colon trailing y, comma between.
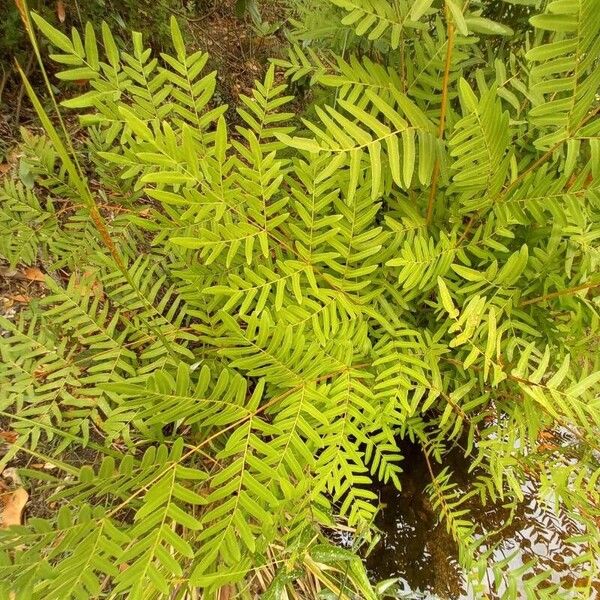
x: 238, y: 52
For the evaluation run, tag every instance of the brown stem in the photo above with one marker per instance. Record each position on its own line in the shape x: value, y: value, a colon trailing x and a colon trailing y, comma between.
x: 566, y: 292
x: 5, y: 75
x: 17, y: 115
x: 445, y: 82
x: 542, y: 159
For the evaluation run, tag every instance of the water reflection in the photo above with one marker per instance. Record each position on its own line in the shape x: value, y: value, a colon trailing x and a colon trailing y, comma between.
x: 417, y: 549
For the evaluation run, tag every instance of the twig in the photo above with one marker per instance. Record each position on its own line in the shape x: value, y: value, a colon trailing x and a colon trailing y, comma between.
x: 194, y: 19
x: 3, y: 82
x: 566, y: 292
x: 22, y: 89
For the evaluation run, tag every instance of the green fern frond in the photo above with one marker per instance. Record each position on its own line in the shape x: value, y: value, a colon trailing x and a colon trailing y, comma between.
x: 564, y: 76
x: 245, y: 327
x: 25, y: 224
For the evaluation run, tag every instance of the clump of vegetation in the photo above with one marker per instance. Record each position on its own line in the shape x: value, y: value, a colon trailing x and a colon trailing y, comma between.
x: 242, y: 326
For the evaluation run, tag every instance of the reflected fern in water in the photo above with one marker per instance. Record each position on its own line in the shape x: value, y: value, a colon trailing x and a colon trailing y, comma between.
x: 532, y: 537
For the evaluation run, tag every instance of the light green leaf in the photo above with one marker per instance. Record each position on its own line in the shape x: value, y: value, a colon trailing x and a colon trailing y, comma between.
x: 56, y: 37
x: 457, y: 17
x: 177, y: 38
x: 486, y: 26
x: 419, y: 8
x: 110, y: 47
x: 447, y: 299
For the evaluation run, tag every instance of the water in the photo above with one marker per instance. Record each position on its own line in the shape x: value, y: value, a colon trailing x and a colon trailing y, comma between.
x: 417, y: 549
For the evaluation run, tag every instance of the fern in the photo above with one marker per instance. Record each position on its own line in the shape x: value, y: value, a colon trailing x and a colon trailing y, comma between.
x: 374, y: 18
x: 244, y: 325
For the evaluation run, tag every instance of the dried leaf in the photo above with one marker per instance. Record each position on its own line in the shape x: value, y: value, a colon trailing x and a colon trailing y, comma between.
x: 547, y: 447
x: 11, y: 507
x: 33, y: 274
x: 10, y: 437
x: 226, y: 593
x: 40, y: 373
x: 60, y: 11
x: 22, y: 298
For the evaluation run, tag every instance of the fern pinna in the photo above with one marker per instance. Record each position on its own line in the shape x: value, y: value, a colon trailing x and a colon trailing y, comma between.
x: 242, y: 324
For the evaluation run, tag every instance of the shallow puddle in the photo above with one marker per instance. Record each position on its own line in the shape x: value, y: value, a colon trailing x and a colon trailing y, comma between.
x: 417, y: 549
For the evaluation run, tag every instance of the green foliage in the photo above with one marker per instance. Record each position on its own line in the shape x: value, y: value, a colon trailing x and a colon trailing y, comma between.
x: 243, y: 324
x: 24, y: 224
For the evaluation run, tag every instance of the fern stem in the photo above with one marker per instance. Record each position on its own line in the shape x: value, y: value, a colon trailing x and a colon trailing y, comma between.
x: 540, y: 161
x: 565, y: 292
x: 510, y: 376
x: 65, y: 434
x: 436, y: 169
x: 142, y: 489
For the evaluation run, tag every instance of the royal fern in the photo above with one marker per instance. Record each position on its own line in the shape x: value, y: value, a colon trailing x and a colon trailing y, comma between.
x: 243, y: 324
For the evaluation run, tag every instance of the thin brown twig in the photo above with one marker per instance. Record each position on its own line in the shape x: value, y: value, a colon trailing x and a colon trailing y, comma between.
x: 565, y: 292
x: 199, y: 19
x: 5, y: 75
x: 17, y: 115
